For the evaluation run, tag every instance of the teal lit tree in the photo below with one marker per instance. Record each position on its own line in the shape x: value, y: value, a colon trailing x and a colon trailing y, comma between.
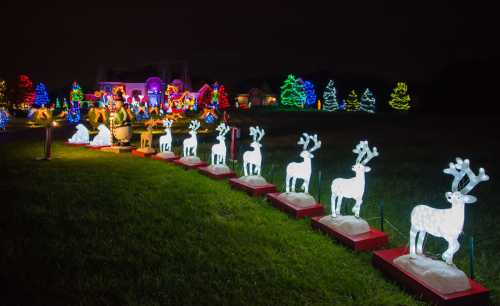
x: 58, y: 104
x: 292, y: 92
x: 400, y: 99
x: 368, y: 101
x: 41, y: 96
x: 352, y: 102
x: 330, y: 103
x: 310, y: 93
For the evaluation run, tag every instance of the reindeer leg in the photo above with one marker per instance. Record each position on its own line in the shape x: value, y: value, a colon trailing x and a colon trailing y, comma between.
x: 413, y: 237
x: 357, y: 207
x: 257, y: 169
x: 245, y: 171
x: 287, y: 183
x: 339, y: 205
x: 332, y: 204
x: 294, y: 182
x: 420, y: 242
x: 453, y: 246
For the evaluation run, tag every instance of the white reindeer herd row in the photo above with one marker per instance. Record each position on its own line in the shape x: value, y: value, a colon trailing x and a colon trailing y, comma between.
x: 445, y: 223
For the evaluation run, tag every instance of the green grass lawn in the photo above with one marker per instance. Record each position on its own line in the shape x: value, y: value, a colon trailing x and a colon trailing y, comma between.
x: 98, y: 228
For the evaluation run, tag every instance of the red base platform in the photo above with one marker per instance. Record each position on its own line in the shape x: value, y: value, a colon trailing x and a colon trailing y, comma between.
x: 190, y: 166
x: 255, y: 191
x: 215, y: 175
x: 95, y: 148
x: 383, y: 260
x: 295, y: 211
x: 75, y: 144
x: 171, y: 159
x: 372, y: 240
x: 141, y: 154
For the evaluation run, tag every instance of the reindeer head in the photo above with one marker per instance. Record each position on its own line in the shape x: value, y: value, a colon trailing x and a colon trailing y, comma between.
x: 257, y: 134
x: 167, y: 123
x: 363, y: 151
x: 304, y: 141
x: 223, y: 129
x: 458, y: 170
x: 194, y: 126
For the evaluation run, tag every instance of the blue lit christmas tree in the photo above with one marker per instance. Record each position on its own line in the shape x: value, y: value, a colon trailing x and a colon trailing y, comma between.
x: 310, y: 93
x: 368, y: 101
x: 330, y: 103
x: 74, y: 113
x: 41, y: 96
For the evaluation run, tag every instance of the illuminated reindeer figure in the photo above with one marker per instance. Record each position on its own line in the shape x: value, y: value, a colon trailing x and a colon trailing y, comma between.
x: 353, y: 188
x: 303, y: 169
x: 219, y: 149
x: 252, y: 159
x: 191, y: 144
x: 166, y: 140
x: 445, y: 223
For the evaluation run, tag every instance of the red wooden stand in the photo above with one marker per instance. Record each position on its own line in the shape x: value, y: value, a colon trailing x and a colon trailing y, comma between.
x: 216, y: 175
x: 190, y: 166
x: 75, y: 144
x: 141, y: 154
x: 170, y: 159
x: 252, y: 190
x: 95, y: 148
x: 383, y: 260
x: 372, y: 240
x: 295, y: 211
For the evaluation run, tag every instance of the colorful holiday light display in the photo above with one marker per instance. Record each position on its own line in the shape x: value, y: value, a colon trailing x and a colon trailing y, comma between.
x: 352, y: 102
x: 41, y: 96
x: 302, y: 170
x: 330, y: 97
x: 252, y: 160
x: 76, y: 94
x: 81, y: 135
x: 73, y: 115
x: 310, y: 93
x: 400, y: 99
x: 292, y: 92
x: 368, y: 101
x: 353, y: 188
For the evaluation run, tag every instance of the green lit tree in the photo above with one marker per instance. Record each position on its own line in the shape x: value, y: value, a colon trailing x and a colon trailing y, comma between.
x: 368, y: 101
x: 292, y: 92
x: 76, y: 94
x: 352, y: 102
x: 330, y: 103
x: 400, y: 99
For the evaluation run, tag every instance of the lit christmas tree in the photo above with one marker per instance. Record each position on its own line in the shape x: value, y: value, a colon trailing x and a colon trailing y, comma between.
x: 25, y: 94
x: 368, y: 102
x: 292, y: 92
x: 400, y: 99
x: 310, y: 93
x: 41, y: 96
x: 58, y: 103
x: 74, y: 113
x: 330, y: 103
x: 352, y: 102
x: 76, y: 94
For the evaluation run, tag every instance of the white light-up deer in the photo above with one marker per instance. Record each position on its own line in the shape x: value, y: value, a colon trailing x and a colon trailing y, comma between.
x: 190, y: 144
x: 445, y: 223
x: 166, y: 140
x: 303, y: 169
x: 219, y: 149
x: 252, y: 159
x: 353, y: 188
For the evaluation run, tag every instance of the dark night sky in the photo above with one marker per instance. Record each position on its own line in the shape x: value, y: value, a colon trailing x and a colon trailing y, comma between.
x: 379, y: 39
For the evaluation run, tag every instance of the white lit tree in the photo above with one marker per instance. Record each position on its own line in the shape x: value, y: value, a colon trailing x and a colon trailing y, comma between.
x: 368, y: 101
x: 330, y: 103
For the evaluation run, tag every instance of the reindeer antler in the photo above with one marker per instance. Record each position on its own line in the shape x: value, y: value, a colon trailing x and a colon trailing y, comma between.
x: 363, y: 151
x: 194, y: 125
x: 260, y: 132
x: 167, y: 123
x: 253, y: 133
x: 304, y: 141
x: 462, y: 168
x: 317, y: 143
x: 223, y: 129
